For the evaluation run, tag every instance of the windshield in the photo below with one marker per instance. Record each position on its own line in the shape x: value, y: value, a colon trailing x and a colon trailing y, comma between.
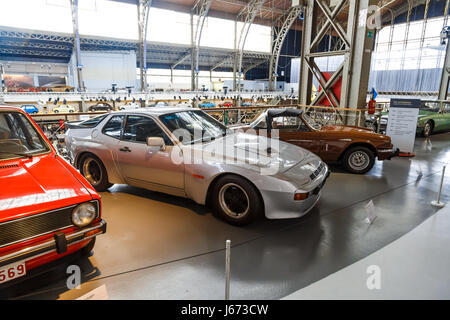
x: 313, y: 123
x: 429, y: 108
x: 193, y: 126
x: 18, y: 137
x: 260, y: 122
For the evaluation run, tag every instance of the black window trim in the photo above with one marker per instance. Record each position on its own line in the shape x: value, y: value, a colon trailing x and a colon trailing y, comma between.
x: 108, y: 120
x: 146, y: 116
x: 105, y: 116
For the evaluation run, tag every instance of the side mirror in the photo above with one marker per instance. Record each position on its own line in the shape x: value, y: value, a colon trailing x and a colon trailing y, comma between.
x: 156, y: 144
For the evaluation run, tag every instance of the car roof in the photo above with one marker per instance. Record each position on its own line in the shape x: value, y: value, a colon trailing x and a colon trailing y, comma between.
x: 10, y: 108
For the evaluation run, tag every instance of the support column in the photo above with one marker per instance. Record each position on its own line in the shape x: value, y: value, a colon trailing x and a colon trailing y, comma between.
x: 2, y: 71
x: 306, y: 77
x: 143, y: 7
x: 355, y: 80
x: 235, y: 57
x: 193, y: 54
x: 445, y: 77
x: 76, y: 44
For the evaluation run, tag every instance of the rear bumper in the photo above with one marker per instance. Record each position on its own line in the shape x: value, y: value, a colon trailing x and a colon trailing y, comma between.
x: 53, y: 246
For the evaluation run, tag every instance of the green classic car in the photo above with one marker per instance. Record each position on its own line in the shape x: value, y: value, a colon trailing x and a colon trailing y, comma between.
x: 433, y: 117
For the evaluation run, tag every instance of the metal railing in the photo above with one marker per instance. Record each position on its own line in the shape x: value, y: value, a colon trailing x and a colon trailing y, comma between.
x: 246, y: 115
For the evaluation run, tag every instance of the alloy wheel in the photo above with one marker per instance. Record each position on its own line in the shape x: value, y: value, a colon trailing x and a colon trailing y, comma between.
x: 234, y: 200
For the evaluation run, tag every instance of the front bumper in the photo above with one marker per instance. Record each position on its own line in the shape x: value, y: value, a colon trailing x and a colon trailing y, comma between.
x: 281, y: 205
x: 387, y: 154
x: 54, y: 246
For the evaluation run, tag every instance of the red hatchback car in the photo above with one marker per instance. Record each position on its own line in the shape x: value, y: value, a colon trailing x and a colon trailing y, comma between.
x: 47, y: 209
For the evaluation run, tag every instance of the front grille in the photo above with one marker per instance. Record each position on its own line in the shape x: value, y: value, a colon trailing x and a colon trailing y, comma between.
x: 316, y: 173
x: 33, y: 226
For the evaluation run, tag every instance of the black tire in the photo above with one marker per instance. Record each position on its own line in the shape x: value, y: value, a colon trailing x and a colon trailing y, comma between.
x: 427, y: 129
x: 236, y: 200
x: 95, y: 173
x: 358, y: 160
x: 87, y: 250
x: 55, y: 111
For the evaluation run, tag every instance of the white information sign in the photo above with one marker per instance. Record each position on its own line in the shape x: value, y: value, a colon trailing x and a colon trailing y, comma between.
x: 402, y: 124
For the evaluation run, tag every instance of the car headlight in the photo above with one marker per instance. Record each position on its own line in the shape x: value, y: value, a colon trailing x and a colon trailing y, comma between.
x: 84, y: 214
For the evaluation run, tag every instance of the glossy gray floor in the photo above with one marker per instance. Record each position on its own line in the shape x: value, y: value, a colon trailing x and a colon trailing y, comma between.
x: 163, y: 247
x: 413, y: 267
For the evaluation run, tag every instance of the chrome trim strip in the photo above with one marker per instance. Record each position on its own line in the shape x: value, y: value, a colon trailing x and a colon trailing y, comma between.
x: 51, y: 243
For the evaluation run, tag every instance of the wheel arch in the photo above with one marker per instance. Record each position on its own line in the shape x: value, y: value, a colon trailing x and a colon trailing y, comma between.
x: 83, y: 154
x: 216, y: 178
x: 359, y: 144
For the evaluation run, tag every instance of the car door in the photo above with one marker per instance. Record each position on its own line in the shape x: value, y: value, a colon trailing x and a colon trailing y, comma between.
x: 446, y: 116
x: 294, y: 130
x: 143, y: 167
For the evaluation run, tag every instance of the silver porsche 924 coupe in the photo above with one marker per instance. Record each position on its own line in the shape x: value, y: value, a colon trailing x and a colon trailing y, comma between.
x: 185, y: 152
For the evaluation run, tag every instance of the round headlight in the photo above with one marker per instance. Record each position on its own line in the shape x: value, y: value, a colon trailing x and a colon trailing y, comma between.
x: 84, y: 214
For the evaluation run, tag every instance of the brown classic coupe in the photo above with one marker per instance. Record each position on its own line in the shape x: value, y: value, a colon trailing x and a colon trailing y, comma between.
x: 354, y: 147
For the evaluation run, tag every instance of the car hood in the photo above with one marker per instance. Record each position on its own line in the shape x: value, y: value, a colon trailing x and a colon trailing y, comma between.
x: 253, y: 152
x: 30, y: 186
x: 350, y: 132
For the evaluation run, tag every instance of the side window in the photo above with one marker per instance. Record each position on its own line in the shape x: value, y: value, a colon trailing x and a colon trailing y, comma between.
x: 114, y: 127
x: 289, y: 124
x: 139, y: 128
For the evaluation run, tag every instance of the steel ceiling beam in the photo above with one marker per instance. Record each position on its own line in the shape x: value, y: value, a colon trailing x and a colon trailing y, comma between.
x: 247, y: 15
x: 401, y: 9
x: 37, y: 45
x: 33, y: 52
x: 199, y: 13
x: 356, y: 47
x: 277, y: 43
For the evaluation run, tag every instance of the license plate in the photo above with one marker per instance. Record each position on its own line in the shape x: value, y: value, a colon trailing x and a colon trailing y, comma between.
x: 12, y: 271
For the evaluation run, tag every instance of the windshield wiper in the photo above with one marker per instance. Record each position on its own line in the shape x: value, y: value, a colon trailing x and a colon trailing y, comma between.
x: 29, y: 156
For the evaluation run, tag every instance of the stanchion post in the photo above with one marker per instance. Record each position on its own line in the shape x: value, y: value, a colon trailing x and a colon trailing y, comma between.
x: 227, y: 269
x: 438, y: 202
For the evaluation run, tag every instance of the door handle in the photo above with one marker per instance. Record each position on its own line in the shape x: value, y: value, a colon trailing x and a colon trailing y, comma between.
x: 125, y: 149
